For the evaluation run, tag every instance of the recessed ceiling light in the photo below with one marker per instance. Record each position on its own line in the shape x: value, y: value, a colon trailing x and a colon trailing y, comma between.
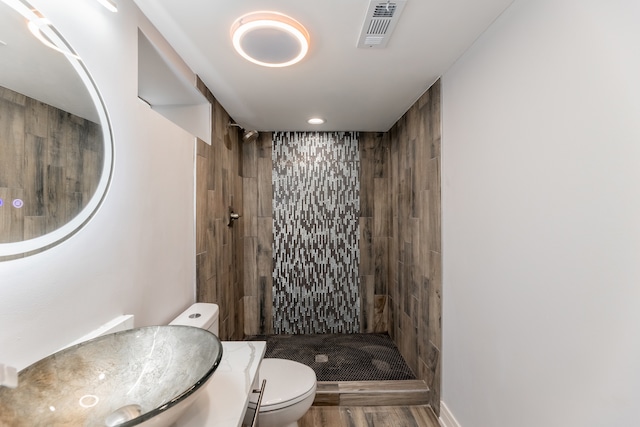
x: 316, y: 121
x: 270, y: 39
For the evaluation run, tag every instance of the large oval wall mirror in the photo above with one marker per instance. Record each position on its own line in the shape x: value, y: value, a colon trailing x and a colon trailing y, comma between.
x: 56, y: 150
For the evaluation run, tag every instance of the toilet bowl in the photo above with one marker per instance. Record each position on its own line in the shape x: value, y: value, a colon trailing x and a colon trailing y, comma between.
x: 290, y: 388
x: 288, y: 394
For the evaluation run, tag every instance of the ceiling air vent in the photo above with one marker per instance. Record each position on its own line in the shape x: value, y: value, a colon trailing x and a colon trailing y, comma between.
x: 379, y: 22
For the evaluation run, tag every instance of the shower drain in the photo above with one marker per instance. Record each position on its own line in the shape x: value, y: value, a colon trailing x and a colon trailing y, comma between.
x: 322, y: 358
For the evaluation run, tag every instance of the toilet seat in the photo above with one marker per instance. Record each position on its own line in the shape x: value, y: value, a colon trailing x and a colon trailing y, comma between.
x: 288, y: 383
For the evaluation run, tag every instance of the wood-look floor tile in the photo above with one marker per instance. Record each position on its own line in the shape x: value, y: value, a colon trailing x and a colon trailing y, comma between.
x: 369, y: 416
x: 328, y: 416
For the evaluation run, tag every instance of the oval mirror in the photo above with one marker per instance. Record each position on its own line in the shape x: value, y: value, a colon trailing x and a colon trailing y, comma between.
x: 56, y: 150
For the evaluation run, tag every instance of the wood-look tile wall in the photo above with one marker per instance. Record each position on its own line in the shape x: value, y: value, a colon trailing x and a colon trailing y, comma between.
x: 415, y: 257
x: 51, y: 160
x: 257, y: 217
x: 219, y: 248
x: 375, y: 231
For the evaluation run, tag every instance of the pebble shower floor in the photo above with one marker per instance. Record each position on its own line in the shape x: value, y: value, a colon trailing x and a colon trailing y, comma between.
x: 342, y: 357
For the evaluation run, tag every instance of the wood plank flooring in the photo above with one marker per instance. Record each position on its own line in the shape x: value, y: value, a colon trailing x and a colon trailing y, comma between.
x: 369, y: 416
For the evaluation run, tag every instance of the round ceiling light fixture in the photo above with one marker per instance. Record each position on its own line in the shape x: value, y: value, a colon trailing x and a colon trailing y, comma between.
x: 316, y: 121
x: 270, y: 39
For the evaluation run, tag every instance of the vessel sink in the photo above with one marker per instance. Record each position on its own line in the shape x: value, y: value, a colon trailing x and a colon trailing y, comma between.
x: 144, y: 376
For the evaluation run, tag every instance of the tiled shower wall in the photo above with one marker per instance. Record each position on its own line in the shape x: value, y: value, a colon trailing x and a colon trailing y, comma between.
x: 316, y: 256
x: 375, y: 231
x: 415, y: 257
x: 257, y: 220
x: 219, y: 257
x: 400, y: 252
x: 374, y: 224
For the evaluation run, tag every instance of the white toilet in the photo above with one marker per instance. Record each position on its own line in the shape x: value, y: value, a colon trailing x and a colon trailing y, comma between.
x: 288, y: 395
x: 291, y: 386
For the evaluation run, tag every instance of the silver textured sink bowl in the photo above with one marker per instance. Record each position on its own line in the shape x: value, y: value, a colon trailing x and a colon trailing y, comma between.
x: 144, y: 376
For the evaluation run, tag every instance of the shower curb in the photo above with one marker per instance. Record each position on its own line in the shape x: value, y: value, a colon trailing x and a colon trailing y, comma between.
x: 371, y: 393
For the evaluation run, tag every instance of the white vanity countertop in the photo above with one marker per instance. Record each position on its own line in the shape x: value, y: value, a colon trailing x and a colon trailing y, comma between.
x: 225, y: 399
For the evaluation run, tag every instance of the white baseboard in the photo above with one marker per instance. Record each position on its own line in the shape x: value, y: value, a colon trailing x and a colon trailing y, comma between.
x: 446, y: 417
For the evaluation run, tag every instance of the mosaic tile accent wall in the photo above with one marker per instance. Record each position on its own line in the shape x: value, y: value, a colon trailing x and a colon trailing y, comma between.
x: 316, y: 203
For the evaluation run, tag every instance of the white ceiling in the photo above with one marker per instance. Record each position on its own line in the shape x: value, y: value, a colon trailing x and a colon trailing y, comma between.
x: 353, y: 89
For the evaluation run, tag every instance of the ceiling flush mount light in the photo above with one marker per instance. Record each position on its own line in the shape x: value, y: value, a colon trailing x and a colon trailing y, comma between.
x: 270, y: 39
x: 316, y: 121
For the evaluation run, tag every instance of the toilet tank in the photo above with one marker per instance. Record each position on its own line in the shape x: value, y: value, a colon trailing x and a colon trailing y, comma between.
x: 200, y: 315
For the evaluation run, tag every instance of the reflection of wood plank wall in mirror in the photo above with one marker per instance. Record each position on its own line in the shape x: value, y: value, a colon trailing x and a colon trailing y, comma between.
x: 51, y: 160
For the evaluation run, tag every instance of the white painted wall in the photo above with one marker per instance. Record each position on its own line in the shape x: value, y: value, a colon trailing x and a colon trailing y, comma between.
x: 541, y: 219
x: 137, y: 255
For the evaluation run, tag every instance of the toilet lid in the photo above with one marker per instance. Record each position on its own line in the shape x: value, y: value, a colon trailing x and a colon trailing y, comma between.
x: 288, y: 382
